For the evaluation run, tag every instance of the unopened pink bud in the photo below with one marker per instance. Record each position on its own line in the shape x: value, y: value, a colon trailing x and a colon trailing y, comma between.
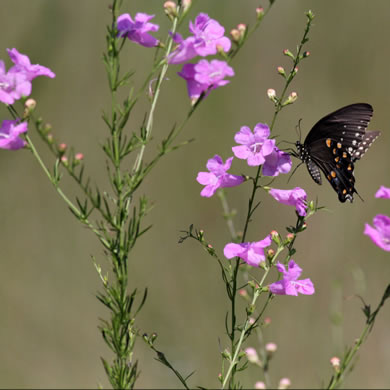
x: 241, y: 28
x: 284, y: 383
x: 260, y: 385
x: 267, y: 320
x: 30, y: 104
x: 271, y: 93
x: 170, y: 9
x: 243, y: 293
x: 235, y: 34
x: 186, y: 4
x: 79, y: 156
x: 306, y: 54
x: 335, y: 362
x: 259, y: 13
x: 281, y: 70
x: 62, y: 147
x: 271, y: 347
x: 251, y: 355
x: 64, y: 160
x: 209, y: 246
x: 270, y: 253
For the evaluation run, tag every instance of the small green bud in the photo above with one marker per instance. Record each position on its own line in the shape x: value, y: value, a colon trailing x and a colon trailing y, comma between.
x: 260, y: 13
x: 288, y: 53
x: 281, y: 71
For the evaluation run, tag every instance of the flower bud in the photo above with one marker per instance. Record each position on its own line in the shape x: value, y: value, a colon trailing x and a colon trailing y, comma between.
x: 267, y: 321
x: 284, y: 383
x: 64, y: 160
x: 288, y: 53
x: 304, y: 226
x: 271, y: 93
x: 260, y: 385
x: 29, y: 107
x: 170, y: 9
x: 186, y: 4
x: 50, y: 138
x: 275, y: 237
x: 259, y: 13
x: 252, y: 356
x: 270, y: 348
x: 251, y: 320
x: 79, y: 156
x: 270, y: 254
x: 62, y: 147
x: 241, y: 28
x: 47, y: 128
x: 281, y: 71
x: 289, y: 237
x: 243, y: 293
x: 235, y: 34
x: 306, y: 54
x: 220, y: 378
x: 291, y: 98
x: 226, y: 354
x: 335, y: 362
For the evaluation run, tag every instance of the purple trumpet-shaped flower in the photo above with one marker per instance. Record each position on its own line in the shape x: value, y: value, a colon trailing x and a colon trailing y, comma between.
x: 16, y: 83
x: 277, y: 162
x: 205, y: 76
x: 383, y: 192
x: 218, y: 176
x: 206, y: 39
x: 251, y: 252
x: 137, y: 30
x: 254, y: 147
x: 380, y: 233
x: 295, y: 197
x: 9, y: 134
x: 290, y: 285
x: 24, y: 66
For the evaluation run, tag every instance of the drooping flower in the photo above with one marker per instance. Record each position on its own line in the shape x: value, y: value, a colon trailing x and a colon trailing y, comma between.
x: 290, y: 285
x: 205, y: 76
x: 254, y: 147
x: 295, y: 197
x: 218, y: 176
x: 380, y: 233
x: 277, y: 162
x: 23, y: 65
x: 251, y: 252
x: 207, y: 37
x: 137, y: 30
x: 9, y: 134
x: 383, y: 192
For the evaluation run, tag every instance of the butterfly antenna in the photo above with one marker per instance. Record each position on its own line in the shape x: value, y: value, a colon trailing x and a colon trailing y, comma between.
x: 294, y: 171
x: 298, y: 130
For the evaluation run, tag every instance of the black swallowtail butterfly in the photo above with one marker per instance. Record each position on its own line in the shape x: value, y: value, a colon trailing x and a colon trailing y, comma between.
x: 334, y: 144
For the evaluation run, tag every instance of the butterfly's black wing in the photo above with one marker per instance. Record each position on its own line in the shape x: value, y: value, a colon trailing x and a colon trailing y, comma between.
x: 333, y: 145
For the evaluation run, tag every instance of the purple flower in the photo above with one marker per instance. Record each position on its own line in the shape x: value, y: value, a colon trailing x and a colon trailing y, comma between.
x: 251, y: 252
x: 254, y: 146
x: 137, y: 30
x: 276, y: 162
x: 207, y: 36
x: 9, y: 134
x: 205, y: 76
x: 295, y: 197
x: 383, y: 192
x: 13, y: 85
x: 380, y: 233
x: 218, y: 176
x: 290, y: 285
x: 24, y: 66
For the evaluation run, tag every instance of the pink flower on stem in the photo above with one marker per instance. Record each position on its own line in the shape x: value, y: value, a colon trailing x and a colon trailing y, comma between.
x: 24, y: 66
x: 276, y: 162
x: 383, y: 192
x: 251, y: 252
x: 16, y: 83
x: 207, y: 37
x: 205, y: 76
x: 295, y: 197
x: 137, y: 30
x: 254, y: 147
x: 380, y: 233
x: 218, y: 176
x: 290, y: 285
x: 9, y: 135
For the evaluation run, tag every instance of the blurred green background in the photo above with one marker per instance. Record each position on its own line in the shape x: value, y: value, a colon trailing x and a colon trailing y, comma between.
x: 48, y: 321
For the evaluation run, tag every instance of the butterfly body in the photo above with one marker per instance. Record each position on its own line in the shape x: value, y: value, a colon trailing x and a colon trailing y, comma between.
x: 335, y: 143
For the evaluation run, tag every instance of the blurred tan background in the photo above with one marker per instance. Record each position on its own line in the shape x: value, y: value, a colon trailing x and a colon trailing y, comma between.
x: 48, y: 321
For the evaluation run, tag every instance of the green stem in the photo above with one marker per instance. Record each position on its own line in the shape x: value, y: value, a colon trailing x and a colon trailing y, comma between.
x: 70, y: 204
